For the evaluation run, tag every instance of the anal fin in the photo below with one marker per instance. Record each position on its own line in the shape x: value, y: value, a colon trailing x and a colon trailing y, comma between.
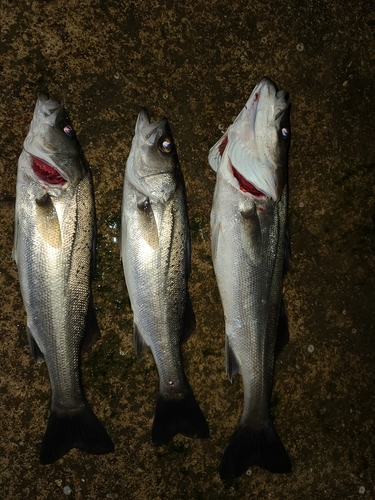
x: 231, y: 363
x: 140, y: 345
x: 35, y: 351
x: 92, y: 331
x: 282, y: 334
x: 189, y: 322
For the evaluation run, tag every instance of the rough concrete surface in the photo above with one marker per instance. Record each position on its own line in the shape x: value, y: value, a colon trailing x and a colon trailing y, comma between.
x: 196, y: 62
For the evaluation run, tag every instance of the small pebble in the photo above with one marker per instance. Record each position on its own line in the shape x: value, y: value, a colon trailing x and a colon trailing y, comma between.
x: 361, y: 490
x: 165, y: 96
x: 67, y: 490
x: 311, y: 348
x: 248, y: 472
x: 300, y: 47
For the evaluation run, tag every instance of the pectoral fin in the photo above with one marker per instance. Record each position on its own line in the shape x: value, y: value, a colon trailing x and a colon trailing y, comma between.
x: 47, y: 221
x: 251, y: 234
x: 147, y: 222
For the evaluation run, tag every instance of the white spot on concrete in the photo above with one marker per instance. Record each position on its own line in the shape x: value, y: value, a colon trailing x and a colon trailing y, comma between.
x: 67, y: 490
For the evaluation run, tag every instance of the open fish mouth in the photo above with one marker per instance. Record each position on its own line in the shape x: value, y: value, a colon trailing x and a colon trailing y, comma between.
x: 46, y: 173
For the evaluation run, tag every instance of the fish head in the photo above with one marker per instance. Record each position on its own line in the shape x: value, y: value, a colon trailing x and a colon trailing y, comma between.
x: 56, y: 158
x: 256, y: 145
x: 153, y: 166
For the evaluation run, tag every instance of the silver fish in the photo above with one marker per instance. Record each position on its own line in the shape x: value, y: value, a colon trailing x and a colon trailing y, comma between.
x: 53, y: 250
x: 248, y: 240
x: 155, y: 251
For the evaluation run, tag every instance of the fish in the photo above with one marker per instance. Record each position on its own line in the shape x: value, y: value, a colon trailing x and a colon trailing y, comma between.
x: 249, y: 244
x: 155, y: 252
x: 54, y: 244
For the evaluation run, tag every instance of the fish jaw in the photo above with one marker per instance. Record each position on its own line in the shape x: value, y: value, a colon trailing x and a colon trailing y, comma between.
x: 257, y: 142
x: 152, y: 163
x: 51, y: 142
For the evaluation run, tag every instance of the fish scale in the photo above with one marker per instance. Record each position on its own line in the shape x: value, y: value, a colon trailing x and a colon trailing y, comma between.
x: 54, y: 234
x: 248, y: 240
x: 155, y: 251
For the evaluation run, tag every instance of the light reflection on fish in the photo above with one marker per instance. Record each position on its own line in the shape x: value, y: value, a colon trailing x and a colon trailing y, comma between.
x: 53, y: 249
x: 248, y: 230
x: 155, y: 251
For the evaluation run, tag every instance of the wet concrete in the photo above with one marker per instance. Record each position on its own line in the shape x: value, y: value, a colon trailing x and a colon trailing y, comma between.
x: 197, y: 64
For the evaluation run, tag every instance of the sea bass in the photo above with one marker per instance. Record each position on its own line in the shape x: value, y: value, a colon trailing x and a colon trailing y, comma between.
x: 53, y: 250
x: 155, y: 251
x: 248, y: 240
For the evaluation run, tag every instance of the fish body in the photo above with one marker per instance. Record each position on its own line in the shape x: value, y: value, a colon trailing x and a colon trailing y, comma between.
x: 248, y: 239
x: 53, y: 250
x: 155, y: 251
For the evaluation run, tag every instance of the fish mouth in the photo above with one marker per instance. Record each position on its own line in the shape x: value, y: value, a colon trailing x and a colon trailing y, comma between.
x: 46, y: 173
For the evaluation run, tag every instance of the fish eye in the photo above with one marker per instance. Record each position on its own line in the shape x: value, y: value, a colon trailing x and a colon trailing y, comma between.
x: 285, y: 132
x: 166, y: 145
x: 69, y: 131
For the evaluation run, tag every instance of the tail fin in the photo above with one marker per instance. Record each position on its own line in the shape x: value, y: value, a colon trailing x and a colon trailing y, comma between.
x: 254, y: 446
x: 74, y: 430
x: 181, y: 416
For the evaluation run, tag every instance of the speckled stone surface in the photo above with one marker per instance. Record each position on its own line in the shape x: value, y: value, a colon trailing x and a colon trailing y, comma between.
x: 196, y: 62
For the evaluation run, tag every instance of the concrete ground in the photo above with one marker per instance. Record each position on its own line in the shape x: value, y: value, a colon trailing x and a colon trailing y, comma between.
x: 196, y: 62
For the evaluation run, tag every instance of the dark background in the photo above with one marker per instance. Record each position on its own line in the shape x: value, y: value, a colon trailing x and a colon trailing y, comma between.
x: 197, y: 62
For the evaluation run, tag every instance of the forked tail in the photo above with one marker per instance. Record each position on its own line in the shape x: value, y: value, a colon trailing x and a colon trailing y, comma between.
x: 69, y: 430
x: 249, y: 446
x: 182, y: 416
